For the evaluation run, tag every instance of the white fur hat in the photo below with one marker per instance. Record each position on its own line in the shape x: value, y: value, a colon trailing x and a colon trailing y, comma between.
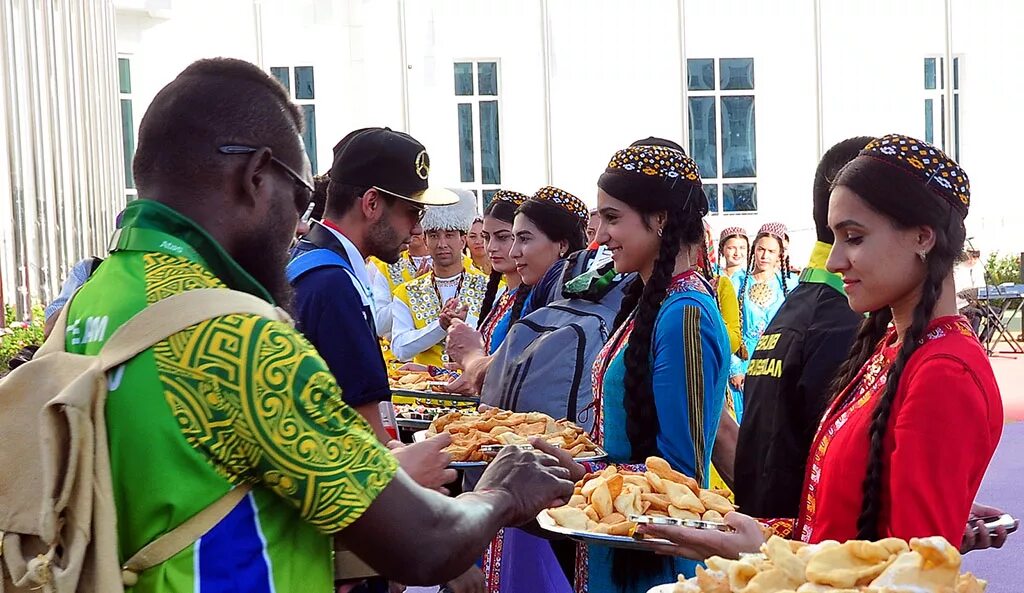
x: 457, y: 217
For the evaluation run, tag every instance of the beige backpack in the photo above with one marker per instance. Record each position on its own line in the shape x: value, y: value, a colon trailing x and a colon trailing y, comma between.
x: 58, y: 524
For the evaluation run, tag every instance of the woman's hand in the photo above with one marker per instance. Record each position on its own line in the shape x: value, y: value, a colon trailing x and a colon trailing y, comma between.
x: 701, y: 544
x: 576, y: 471
x: 737, y: 382
x: 977, y: 536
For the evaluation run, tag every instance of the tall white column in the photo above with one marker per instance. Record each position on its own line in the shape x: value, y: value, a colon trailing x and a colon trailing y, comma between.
x: 63, y: 139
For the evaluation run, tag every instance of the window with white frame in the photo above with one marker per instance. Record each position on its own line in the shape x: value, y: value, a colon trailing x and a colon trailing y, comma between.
x: 935, y: 103
x: 720, y: 97
x: 124, y: 76
x: 477, y: 93
x: 299, y: 82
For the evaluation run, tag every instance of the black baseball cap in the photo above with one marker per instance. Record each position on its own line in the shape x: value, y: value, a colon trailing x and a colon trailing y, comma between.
x: 391, y: 162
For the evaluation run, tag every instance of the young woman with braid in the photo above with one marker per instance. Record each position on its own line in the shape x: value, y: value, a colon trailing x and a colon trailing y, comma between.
x: 496, y: 314
x: 549, y: 226
x: 659, y: 383
x: 916, y: 414
x: 761, y: 290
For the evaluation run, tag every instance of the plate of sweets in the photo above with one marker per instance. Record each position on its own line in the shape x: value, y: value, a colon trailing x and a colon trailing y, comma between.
x: 607, y: 506
x: 922, y: 565
x: 477, y: 437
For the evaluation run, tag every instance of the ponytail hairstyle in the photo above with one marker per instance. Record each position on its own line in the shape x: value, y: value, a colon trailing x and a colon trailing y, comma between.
x: 502, y: 207
x: 913, y: 184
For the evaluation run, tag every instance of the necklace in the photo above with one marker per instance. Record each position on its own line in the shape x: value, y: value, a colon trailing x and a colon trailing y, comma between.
x: 446, y: 283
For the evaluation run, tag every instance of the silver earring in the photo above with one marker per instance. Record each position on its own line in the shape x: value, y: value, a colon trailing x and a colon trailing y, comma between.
x: 923, y: 255
x: 660, y: 231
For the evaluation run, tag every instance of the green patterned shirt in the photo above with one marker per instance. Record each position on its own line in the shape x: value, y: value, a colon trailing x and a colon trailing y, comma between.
x: 236, y: 399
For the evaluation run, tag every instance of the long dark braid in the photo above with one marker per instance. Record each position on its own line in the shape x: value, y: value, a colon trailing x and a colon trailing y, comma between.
x: 630, y: 299
x: 517, y: 305
x: 683, y: 226
x: 743, y: 291
x: 908, y: 204
x: 871, y: 508
x: 493, y: 282
x: 871, y: 331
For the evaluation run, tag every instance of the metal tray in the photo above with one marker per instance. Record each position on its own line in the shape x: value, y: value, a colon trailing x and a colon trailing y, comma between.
x: 598, y: 539
x: 422, y: 435
x: 436, y: 395
x: 691, y: 523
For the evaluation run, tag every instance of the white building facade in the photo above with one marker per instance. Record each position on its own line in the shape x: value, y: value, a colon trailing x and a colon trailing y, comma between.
x: 522, y: 93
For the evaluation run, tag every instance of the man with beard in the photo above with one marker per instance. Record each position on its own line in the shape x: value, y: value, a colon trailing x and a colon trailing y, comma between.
x: 424, y: 308
x: 240, y: 401
x: 376, y: 197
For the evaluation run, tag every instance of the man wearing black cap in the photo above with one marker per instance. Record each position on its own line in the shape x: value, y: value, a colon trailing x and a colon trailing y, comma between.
x: 377, y: 195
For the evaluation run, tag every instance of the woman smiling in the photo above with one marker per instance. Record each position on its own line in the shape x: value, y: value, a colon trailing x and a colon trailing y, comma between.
x: 917, y: 388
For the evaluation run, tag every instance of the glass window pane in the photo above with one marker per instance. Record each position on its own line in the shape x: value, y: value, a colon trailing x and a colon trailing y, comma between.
x: 487, y: 74
x: 124, y: 74
x: 956, y: 74
x: 929, y: 73
x: 463, y: 78
x: 956, y: 127
x: 309, y: 134
x: 711, y: 191
x: 942, y: 119
x: 739, y: 149
x: 942, y: 73
x: 284, y: 77
x: 488, y: 196
x: 737, y: 73
x: 701, y: 74
x: 128, y: 141
x: 490, y: 151
x: 929, y: 121
x: 304, y: 82
x: 466, y: 161
x: 739, y: 197
x: 704, y: 135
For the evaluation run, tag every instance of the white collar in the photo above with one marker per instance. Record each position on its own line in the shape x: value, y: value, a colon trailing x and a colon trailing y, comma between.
x: 355, y: 258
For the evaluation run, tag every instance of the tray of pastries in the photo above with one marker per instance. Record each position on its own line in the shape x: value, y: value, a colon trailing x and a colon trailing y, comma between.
x: 606, y: 506
x: 474, y: 436
x: 925, y: 565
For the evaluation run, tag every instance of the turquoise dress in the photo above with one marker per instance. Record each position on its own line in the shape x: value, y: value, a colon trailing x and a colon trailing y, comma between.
x: 689, y: 371
x: 759, y: 302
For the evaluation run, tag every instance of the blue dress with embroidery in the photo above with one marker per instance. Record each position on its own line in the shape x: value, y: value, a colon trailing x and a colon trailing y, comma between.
x: 760, y: 302
x: 689, y: 370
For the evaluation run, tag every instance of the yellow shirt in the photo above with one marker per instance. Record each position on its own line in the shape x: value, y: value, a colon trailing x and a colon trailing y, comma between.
x: 416, y: 331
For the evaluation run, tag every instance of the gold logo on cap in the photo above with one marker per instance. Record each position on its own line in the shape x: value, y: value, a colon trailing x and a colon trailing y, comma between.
x: 422, y: 165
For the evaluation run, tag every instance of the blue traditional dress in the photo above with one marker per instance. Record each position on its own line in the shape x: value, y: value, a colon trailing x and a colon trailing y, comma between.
x: 689, y: 370
x: 759, y: 302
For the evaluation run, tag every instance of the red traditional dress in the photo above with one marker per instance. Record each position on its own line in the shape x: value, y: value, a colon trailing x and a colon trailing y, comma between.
x: 945, y: 424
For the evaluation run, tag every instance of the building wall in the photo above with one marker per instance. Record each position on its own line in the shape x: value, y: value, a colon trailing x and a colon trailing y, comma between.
x: 581, y: 78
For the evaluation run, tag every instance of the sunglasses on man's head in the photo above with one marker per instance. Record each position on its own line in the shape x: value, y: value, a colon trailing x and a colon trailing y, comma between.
x: 304, y: 191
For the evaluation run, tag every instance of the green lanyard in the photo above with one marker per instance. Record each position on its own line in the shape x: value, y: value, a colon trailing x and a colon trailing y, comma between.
x: 150, y: 240
x: 819, y: 276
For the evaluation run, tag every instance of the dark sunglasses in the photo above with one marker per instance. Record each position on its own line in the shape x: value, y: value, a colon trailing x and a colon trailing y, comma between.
x: 304, y: 193
x: 417, y: 211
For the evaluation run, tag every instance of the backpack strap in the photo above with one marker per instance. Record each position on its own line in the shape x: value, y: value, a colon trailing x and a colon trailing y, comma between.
x: 168, y: 316
x: 313, y: 260
x: 167, y: 545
